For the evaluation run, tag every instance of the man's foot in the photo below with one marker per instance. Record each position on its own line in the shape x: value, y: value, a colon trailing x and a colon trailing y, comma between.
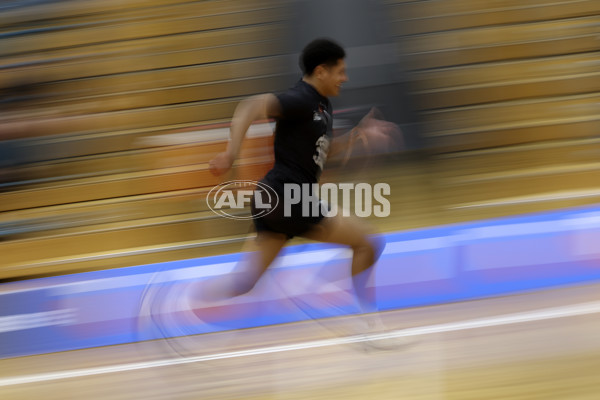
x: 377, y: 336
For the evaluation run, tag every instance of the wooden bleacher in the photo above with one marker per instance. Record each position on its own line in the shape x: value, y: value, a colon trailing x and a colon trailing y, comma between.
x: 107, y: 78
x: 508, y: 80
x: 507, y: 92
x: 484, y: 72
x: 503, y: 90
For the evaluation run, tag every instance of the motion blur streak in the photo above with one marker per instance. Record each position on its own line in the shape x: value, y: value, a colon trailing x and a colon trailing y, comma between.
x: 482, y: 111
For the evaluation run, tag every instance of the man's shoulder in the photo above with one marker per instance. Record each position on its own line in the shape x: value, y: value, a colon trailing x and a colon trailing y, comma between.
x: 299, y: 90
x: 297, y: 100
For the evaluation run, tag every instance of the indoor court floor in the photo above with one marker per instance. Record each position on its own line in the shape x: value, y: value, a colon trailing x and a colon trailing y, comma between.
x: 535, y: 345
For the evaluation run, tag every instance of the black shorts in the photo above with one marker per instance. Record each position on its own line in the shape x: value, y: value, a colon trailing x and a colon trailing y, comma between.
x: 272, y: 215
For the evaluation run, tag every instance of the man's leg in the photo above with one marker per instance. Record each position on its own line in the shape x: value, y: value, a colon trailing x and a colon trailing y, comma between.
x: 259, y: 253
x: 351, y: 232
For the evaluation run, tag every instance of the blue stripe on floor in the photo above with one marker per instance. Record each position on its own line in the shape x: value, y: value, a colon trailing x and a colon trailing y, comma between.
x: 418, y: 267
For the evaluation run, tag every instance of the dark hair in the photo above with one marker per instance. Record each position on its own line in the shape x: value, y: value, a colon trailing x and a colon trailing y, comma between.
x: 320, y: 51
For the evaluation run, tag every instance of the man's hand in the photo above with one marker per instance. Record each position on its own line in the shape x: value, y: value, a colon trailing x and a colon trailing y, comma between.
x: 378, y: 135
x: 373, y: 135
x: 221, y: 163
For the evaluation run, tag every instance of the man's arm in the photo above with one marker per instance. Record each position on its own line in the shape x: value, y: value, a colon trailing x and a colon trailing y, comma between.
x: 374, y: 135
x: 342, y: 145
x: 249, y: 110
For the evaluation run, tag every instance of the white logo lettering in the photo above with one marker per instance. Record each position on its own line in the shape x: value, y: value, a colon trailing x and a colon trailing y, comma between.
x: 313, y: 200
x: 322, y: 148
x: 230, y: 198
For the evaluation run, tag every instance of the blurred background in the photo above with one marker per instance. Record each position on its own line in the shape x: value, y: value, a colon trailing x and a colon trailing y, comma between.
x: 110, y: 111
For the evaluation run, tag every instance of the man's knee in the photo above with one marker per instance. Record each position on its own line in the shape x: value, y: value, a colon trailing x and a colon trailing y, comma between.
x: 242, y: 285
x: 371, y: 248
x: 378, y: 245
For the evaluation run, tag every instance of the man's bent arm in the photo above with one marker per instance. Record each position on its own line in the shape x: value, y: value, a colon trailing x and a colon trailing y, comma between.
x: 249, y: 110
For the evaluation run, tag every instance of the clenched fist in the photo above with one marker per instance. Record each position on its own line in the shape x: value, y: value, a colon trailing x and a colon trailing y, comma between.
x: 221, y: 163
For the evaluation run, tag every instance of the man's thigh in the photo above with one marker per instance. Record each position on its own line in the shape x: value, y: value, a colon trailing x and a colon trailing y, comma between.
x: 349, y: 231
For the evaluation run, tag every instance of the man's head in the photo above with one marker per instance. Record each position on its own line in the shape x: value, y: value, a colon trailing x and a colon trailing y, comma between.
x: 322, y: 62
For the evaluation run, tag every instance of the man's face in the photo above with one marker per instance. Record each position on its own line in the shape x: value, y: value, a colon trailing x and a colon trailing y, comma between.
x: 333, y: 77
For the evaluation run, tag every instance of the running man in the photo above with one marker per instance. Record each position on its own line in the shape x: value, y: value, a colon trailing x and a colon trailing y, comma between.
x: 303, y: 140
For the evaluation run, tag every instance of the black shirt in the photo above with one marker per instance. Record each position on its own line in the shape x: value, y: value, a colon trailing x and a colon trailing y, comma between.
x: 302, y: 135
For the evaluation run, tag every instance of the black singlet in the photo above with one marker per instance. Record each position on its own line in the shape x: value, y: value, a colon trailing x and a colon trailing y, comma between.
x: 302, y: 137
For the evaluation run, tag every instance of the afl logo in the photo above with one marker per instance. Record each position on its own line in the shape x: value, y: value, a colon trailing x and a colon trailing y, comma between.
x: 229, y: 198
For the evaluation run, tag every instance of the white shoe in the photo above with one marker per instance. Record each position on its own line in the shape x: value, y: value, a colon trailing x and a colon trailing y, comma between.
x: 377, y: 336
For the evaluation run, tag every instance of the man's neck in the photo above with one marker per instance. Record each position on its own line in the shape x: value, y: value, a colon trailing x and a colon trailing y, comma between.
x: 314, y: 83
